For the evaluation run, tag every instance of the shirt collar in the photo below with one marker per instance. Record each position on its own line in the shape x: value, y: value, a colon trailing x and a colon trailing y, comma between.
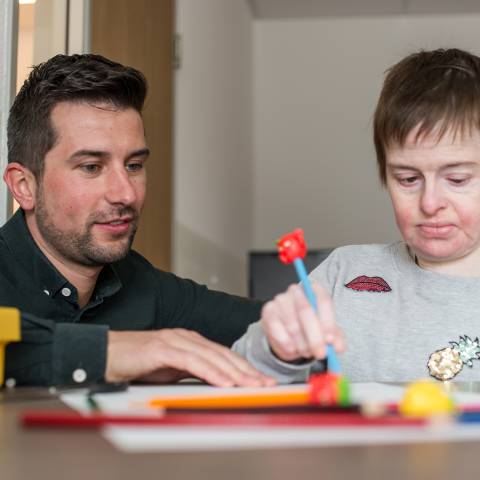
x: 36, y: 265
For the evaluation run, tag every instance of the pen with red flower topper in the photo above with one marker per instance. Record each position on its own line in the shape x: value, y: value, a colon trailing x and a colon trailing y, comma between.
x: 292, y: 249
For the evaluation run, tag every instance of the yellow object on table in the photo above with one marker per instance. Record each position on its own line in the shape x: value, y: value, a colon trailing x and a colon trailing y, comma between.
x: 9, y: 332
x: 426, y: 398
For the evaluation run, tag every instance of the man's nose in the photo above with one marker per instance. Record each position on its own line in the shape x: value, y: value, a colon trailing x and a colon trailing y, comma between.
x: 120, y: 188
x: 432, y: 199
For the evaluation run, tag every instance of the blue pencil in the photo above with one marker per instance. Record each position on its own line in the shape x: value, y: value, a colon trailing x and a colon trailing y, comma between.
x: 469, y: 417
x: 332, y: 359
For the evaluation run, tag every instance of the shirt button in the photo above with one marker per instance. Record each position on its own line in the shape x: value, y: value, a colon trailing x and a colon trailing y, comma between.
x: 10, y: 382
x: 46, y: 292
x: 66, y: 292
x: 79, y: 375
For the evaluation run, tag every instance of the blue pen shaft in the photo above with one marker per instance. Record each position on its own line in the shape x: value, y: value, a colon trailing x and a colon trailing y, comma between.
x: 333, y: 362
x: 469, y: 417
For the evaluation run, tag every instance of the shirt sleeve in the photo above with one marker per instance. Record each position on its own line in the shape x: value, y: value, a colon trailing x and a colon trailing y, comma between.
x: 254, y: 347
x: 326, y: 273
x: 52, y: 353
x: 218, y: 316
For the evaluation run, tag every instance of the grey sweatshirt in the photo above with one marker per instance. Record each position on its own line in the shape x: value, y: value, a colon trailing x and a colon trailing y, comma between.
x: 393, y: 313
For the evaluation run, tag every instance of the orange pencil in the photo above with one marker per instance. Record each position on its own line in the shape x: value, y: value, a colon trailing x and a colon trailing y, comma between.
x: 325, y: 389
x: 237, y: 400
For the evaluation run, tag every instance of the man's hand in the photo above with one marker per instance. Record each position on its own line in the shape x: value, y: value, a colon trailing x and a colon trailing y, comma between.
x: 295, y: 331
x: 171, y: 354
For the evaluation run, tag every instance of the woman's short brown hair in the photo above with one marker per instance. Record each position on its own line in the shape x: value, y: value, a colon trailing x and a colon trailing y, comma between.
x: 428, y: 91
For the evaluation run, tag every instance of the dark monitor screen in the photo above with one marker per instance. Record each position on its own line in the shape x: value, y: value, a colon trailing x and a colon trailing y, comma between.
x: 268, y: 276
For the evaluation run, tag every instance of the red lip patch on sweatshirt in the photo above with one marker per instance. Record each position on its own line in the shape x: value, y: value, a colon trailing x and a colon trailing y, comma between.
x: 369, y: 284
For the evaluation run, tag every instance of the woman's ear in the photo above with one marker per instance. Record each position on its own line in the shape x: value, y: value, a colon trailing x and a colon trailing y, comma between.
x: 22, y: 185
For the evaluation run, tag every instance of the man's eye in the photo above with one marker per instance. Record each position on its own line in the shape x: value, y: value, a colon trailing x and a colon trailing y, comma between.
x: 134, y: 167
x: 90, y: 168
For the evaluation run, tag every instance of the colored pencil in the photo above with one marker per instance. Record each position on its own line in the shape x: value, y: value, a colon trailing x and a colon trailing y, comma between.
x: 237, y: 400
x: 52, y: 419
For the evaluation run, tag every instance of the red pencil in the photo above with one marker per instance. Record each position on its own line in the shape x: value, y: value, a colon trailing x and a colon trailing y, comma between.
x: 66, y: 419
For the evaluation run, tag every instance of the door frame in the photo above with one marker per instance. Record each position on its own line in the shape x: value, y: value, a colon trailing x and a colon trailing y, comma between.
x: 8, y: 69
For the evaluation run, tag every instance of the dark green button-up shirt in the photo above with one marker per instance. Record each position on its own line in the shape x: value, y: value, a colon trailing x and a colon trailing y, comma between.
x: 59, y: 338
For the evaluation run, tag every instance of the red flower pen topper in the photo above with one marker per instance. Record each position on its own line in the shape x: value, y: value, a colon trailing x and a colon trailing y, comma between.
x: 291, y: 246
x: 330, y: 388
x: 291, y: 249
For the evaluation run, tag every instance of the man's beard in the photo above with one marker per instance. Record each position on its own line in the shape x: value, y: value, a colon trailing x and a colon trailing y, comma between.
x: 81, y: 247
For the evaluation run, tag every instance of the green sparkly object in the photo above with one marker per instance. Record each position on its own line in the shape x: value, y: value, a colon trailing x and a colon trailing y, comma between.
x: 468, y: 349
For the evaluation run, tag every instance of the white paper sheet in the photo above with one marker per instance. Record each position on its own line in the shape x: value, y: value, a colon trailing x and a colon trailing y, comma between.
x: 183, y: 438
x: 135, y: 398
x: 170, y: 439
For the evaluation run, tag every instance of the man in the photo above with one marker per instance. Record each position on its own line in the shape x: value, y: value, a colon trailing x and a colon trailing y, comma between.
x: 408, y: 309
x: 92, y: 309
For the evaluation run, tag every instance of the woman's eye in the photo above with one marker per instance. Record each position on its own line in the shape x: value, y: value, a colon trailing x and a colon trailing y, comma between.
x: 458, y: 181
x: 408, y: 180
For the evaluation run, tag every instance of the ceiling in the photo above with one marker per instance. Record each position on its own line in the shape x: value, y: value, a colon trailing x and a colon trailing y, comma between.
x: 284, y: 9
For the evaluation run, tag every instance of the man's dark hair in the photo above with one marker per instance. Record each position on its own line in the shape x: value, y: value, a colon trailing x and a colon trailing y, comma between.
x: 66, y: 78
x: 431, y: 91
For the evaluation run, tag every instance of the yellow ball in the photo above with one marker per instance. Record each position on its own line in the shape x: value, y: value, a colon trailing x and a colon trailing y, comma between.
x: 425, y: 399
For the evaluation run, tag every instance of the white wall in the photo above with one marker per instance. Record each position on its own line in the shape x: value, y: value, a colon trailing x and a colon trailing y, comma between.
x: 303, y: 91
x: 213, y: 170
x: 50, y: 29
x: 26, y: 26
x: 316, y: 83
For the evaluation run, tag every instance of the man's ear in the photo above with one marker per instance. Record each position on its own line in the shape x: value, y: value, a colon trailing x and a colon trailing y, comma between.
x: 22, y: 185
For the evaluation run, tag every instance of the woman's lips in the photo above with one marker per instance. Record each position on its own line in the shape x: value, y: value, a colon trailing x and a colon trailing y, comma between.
x: 436, y: 230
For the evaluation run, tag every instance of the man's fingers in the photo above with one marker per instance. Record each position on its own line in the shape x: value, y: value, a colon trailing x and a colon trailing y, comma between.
x: 228, y: 355
x: 133, y: 355
x: 232, y: 366
x: 197, y: 366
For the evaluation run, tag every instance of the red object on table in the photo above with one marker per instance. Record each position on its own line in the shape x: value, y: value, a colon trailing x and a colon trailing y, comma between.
x: 291, y: 246
x: 324, y: 389
x: 51, y: 419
